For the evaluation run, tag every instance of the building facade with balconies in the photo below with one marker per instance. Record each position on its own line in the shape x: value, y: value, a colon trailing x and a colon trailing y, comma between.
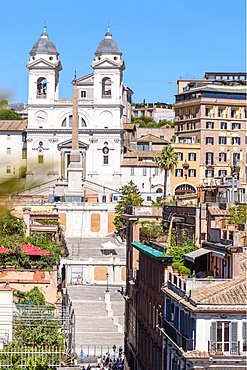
x: 214, y: 115
x: 205, y: 323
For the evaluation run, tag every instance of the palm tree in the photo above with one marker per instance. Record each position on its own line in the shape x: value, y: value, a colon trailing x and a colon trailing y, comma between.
x: 167, y: 160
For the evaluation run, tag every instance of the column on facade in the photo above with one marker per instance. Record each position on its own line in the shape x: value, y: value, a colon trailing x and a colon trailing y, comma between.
x: 62, y: 165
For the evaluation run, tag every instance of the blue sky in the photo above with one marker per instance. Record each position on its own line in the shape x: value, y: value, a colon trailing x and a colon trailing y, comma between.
x: 160, y: 40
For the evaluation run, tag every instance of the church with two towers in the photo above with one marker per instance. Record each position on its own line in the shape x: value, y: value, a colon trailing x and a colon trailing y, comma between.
x: 104, y: 104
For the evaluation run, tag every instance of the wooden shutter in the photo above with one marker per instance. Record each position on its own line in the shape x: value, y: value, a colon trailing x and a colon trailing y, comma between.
x: 244, y: 334
x: 213, y: 336
x: 234, y: 338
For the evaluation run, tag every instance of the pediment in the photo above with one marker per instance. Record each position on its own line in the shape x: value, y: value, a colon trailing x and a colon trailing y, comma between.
x: 106, y: 63
x: 85, y: 79
x: 68, y: 144
x: 42, y: 63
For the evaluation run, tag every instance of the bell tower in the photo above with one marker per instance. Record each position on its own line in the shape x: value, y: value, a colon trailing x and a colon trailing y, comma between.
x: 108, y: 77
x: 44, y: 67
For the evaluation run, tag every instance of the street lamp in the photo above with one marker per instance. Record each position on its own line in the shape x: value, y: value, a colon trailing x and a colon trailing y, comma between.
x: 114, y: 350
x: 107, y: 290
x: 185, y: 167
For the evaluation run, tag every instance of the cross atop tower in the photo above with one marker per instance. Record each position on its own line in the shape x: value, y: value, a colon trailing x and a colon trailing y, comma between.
x: 44, y: 21
x: 108, y: 28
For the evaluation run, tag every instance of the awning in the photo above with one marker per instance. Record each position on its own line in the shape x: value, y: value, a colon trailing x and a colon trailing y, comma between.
x: 218, y: 254
x: 195, y: 254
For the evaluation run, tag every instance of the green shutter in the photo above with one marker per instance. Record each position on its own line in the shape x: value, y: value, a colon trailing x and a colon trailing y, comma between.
x: 213, y: 336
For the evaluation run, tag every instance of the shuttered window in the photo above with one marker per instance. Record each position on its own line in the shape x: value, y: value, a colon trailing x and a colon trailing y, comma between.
x: 234, y: 335
x: 244, y: 333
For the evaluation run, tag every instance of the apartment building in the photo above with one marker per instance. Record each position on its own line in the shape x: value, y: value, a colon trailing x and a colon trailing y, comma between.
x: 156, y: 111
x: 214, y: 115
x: 205, y: 323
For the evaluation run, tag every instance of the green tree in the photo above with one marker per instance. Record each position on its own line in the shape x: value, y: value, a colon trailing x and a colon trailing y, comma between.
x: 167, y: 161
x: 7, y: 114
x: 238, y: 214
x: 151, y: 230
x: 178, y: 249
x: 130, y: 196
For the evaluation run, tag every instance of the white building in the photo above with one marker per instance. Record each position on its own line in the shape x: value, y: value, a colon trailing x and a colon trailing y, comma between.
x: 205, y: 322
x: 13, y: 150
x: 104, y: 105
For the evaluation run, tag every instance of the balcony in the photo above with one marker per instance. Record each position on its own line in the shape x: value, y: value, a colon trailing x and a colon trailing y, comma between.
x: 177, y: 337
x: 226, y: 348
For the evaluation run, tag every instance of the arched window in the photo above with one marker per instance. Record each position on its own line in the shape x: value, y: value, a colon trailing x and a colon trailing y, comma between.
x: 83, y: 122
x: 106, y: 87
x: 8, y: 169
x: 41, y: 88
x: 68, y: 121
x: 184, y: 188
x: 159, y: 190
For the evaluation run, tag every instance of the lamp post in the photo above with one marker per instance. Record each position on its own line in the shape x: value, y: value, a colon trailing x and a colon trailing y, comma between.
x: 107, y: 290
x: 185, y: 168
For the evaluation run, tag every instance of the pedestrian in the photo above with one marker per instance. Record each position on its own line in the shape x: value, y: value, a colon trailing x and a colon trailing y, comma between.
x: 98, y: 361
x: 89, y: 367
x: 120, y: 351
x: 82, y: 355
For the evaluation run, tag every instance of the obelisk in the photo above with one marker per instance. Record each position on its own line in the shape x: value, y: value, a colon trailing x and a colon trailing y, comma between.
x: 74, y: 192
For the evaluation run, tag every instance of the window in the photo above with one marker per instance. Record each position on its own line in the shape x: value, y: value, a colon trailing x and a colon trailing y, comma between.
x: 149, y: 198
x: 192, y: 156
x: 210, y: 140
x: 41, y: 88
x: 132, y: 171
x: 8, y: 151
x: 143, y: 113
x: 143, y: 185
x: 236, y: 140
x: 179, y: 172
x: 193, y: 126
x: 8, y: 137
x: 83, y: 123
x: 209, y: 158
x: 223, y: 125
x: 233, y: 113
x: 245, y: 113
x: 210, y: 125
x: 83, y: 94
x: 162, y: 137
x: 8, y: 168
x: 143, y: 146
x: 156, y: 171
x: 180, y: 156
x: 40, y: 159
x: 236, y: 126
x: 209, y: 173
x: 136, y: 114
x: 150, y: 113
x: 236, y: 158
x: 24, y: 137
x: 224, y: 337
x: 144, y: 171
x: 220, y: 112
x: 222, y: 157
x: 208, y: 112
x: 103, y: 198
x: 192, y: 173
x: 222, y: 140
x: 106, y: 87
x: 222, y: 173
x: 105, y: 159
x: 24, y: 153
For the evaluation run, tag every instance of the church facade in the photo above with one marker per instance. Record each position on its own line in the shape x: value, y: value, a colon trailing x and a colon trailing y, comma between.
x: 104, y: 105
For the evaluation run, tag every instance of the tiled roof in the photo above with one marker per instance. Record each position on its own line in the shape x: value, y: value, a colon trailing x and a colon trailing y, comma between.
x: 151, y: 138
x: 17, y: 125
x: 216, y: 211
x: 44, y: 213
x: 231, y: 293
x: 129, y: 126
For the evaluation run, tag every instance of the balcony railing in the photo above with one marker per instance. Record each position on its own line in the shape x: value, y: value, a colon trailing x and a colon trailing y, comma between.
x: 225, y: 348
x: 177, y: 337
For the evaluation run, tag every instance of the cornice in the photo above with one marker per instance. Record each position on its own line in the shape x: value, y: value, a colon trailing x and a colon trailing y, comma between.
x: 69, y: 131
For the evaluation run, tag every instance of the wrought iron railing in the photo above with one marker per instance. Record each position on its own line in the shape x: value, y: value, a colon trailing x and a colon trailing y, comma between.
x: 186, y: 343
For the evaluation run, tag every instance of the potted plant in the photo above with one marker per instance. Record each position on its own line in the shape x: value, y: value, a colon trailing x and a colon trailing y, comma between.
x: 33, y: 265
x: 185, y: 272
x: 175, y: 266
